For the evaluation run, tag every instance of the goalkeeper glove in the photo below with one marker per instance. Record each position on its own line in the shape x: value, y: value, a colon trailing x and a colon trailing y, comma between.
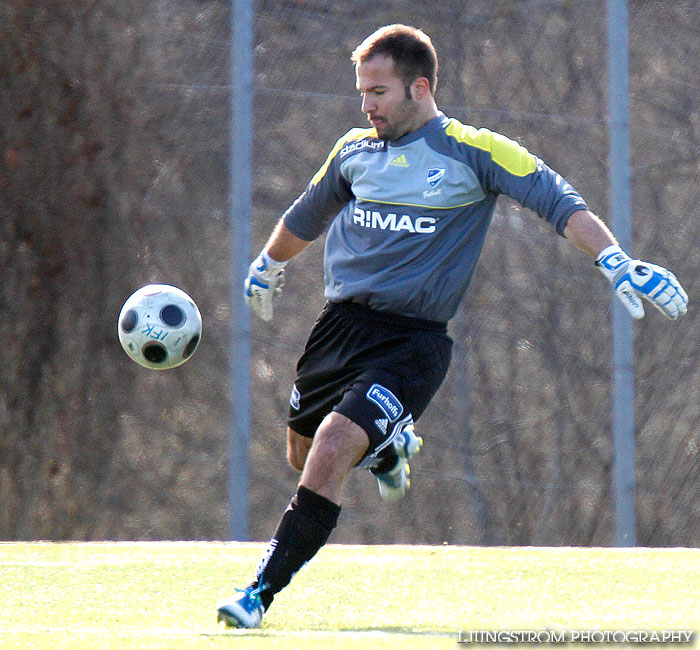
x: 634, y: 279
x: 264, y: 282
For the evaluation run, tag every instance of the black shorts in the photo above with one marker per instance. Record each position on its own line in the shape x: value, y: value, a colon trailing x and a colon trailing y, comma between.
x: 378, y: 369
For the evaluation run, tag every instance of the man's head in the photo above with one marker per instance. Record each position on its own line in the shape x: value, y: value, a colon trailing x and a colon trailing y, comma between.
x: 396, y: 69
x: 409, y: 48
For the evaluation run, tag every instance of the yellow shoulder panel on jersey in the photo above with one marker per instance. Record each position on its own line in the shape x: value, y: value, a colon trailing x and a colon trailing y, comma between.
x: 352, y: 134
x: 507, y: 153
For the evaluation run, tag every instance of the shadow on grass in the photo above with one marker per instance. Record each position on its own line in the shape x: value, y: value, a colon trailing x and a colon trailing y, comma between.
x: 345, y: 631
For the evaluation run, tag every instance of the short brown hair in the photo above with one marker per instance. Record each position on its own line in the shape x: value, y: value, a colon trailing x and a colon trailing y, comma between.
x: 411, y: 50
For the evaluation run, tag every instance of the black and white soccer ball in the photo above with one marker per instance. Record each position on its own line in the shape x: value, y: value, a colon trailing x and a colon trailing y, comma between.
x: 159, y: 326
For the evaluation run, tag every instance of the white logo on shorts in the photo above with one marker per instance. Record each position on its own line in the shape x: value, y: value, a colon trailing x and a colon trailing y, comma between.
x: 386, y: 401
x: 294, y: 398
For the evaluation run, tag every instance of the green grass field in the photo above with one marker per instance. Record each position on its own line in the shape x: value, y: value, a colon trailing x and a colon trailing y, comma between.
x: 162, y: 595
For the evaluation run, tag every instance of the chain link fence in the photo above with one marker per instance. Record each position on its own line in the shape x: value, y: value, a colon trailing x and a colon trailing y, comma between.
x: 113, y: 173
x: 518, y: 446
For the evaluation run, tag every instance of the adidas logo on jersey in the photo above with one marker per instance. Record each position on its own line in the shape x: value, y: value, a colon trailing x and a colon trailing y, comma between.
x: 399, y: 161
x: 382, y: 424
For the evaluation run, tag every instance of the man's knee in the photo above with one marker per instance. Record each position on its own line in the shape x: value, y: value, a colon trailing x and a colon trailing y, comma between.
x: 340, y: 438
x: 338, y: 445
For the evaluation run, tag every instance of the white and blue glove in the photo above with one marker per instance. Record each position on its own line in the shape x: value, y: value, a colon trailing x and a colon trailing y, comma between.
x: 264, y: 283
x: 634, y: 279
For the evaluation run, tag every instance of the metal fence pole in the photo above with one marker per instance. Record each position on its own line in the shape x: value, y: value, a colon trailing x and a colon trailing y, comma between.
x: 623, y: 341
x: 241, y: 74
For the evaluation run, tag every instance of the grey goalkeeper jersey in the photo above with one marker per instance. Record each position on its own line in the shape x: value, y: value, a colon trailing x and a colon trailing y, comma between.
x: 407, y: 218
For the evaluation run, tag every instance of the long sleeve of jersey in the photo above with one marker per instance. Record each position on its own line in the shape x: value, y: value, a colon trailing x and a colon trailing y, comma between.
x: 407, y: 218
x: 505, y: 167
x: 327, y: 193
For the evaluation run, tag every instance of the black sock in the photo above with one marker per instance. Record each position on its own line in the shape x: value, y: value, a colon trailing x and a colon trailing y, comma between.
x: 304, y: 528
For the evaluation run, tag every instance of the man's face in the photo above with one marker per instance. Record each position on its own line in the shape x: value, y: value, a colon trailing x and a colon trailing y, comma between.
x: 384, y: 99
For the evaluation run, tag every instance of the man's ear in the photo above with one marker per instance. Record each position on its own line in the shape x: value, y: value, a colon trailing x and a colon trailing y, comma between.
x: 420, y: 88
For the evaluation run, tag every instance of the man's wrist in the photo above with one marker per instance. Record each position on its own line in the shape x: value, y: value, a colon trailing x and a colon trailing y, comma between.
x: 610, y: 259
x: 271, y: 264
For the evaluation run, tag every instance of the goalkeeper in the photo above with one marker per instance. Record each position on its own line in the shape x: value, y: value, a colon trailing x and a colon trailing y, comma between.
x: 406, y: 205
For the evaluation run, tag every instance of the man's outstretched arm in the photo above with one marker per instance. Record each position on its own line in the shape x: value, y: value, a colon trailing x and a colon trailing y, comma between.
x: 588, y: 233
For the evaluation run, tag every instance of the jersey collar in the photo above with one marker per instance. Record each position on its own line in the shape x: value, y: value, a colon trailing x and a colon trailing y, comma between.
x: 429, y: 126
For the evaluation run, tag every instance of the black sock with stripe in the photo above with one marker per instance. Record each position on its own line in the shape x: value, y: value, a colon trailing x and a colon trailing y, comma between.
x: 304, y: 528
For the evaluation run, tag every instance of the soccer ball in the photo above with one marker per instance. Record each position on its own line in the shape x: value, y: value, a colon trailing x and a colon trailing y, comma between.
x: 159, y: 326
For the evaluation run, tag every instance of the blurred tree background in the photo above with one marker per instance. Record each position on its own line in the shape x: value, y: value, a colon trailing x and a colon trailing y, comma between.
x: 114, y: 145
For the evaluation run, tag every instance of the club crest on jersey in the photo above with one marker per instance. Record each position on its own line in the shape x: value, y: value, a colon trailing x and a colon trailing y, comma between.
x: 386, y: 400
x: 436, y: 176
